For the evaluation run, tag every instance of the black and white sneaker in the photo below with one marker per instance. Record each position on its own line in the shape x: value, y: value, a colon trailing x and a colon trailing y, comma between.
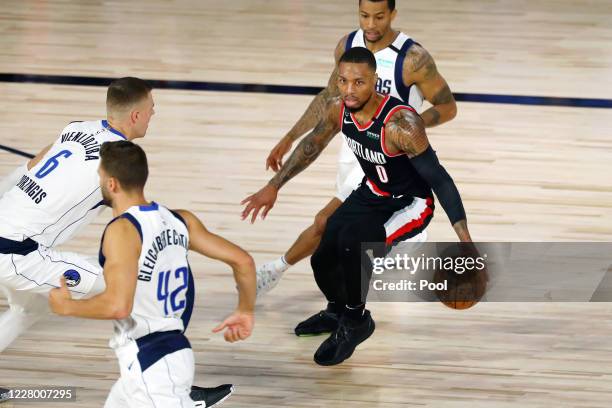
x: 210, y: 397
x: 319, y: 323
x: 341, y: 344
x: 4, y: 395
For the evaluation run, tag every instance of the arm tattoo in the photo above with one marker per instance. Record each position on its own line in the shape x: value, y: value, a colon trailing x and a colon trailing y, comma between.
x: 407, y: 132
x: 430, y: 70
x: 418, y: 58
x: 431, y: 117
x: 305, y: 153
x: 443, y: 96
x: 317, y: 109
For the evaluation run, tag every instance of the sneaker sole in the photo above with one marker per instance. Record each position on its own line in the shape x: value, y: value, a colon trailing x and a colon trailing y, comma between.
x: 203, y: 405
x: 344, y: 358
x: 313, y: 334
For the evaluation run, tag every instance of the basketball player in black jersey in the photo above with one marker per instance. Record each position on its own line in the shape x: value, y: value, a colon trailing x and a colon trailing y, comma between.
x: 401, y: 170
x: 415, y: 73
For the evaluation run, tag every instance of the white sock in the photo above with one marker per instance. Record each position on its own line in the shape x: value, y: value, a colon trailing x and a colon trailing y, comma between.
x: 281, y: 265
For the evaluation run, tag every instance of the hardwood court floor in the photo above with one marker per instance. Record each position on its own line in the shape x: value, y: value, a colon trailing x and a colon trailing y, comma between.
x: 525, y: 174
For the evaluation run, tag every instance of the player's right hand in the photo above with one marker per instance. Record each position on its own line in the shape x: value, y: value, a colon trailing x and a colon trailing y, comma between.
x: 264, y: 198
x: 275, y: 158
x: 59, y: 298
x: 239, y: 326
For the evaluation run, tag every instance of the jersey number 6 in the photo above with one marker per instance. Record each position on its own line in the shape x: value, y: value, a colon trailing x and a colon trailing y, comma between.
x: 52, y: 164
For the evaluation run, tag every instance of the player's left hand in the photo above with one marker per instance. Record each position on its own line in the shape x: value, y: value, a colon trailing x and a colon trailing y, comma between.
x: 59, y: 298
x: 264, y: 198
x: 239, y: 326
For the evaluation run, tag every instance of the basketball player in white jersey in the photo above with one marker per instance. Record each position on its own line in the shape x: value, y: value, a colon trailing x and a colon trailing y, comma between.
x: 46, y: 201
x: 149, y: 287
x: 406, y: 71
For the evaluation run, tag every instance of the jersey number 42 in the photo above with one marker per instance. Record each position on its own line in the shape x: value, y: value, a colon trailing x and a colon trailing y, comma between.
x: 171, y: 289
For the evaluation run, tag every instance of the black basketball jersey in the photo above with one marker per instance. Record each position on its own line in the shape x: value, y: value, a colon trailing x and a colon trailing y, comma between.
x: 388, y: 175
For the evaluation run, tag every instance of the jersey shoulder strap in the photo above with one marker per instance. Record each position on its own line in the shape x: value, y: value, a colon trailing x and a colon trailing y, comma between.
x: 391, y: 107
x: 401, y: 45
x: 132, y: 220
x: 349, y: 40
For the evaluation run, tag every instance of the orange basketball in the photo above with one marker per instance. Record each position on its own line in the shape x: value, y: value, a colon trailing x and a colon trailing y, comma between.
x: 461, y: 291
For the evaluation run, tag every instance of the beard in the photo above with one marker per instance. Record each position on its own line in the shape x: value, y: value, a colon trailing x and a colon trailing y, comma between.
x: 359, y: 108
x: 106, y: 198
x: 354, y: 110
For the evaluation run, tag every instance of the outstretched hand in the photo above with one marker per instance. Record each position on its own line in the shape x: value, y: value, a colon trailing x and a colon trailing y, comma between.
x: 239, y: 326
x: 263, y: 199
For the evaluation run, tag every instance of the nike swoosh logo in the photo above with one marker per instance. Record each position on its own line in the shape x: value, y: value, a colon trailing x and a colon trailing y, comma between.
x: 130, y: 366
x: 350, y: 122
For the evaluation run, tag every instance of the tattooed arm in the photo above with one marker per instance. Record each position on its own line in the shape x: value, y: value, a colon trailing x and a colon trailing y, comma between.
x: 304, y: 154
x: 405, y: 132
x: 315, y: 111
x: 318, y: 107
x: 420, y: 69
x: 311, y: 146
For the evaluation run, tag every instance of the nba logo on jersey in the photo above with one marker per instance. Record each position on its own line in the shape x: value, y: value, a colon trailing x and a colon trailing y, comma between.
x: 73, y: 278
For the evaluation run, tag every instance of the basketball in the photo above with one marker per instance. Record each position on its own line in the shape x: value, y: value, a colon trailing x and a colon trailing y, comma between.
x: 462, y: 291
x: 459, y: 287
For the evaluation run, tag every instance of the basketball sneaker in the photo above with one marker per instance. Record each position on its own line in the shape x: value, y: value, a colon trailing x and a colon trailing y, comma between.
x: 341, y: 344
x: 319, y: 323
x: 269, y: 274
x: 210, y: 397
x: 4, y: 395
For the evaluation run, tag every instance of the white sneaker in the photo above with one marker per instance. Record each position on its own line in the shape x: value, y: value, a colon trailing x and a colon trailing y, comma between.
x: 4, y: 394
x: 268, y: 276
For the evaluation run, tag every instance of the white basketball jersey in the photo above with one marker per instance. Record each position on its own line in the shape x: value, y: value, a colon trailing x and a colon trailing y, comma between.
x: 62, y: 192
x: 389, y: 67
x: 164, y: 291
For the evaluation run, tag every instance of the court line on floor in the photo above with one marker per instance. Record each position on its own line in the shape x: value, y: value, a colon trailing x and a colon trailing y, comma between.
x: 284, y: 89
x: 298, y: 90
x: 16, y: 151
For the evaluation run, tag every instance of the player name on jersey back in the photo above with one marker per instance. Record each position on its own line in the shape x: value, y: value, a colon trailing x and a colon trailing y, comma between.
x: 32, y: 189
x: 87, y: 140
x: 158, y: 244
x: 61, y: 193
